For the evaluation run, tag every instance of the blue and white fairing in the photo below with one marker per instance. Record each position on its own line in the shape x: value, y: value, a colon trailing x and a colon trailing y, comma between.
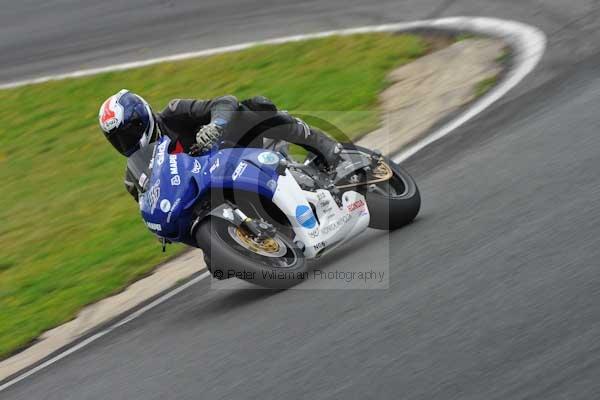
x: 177, y: 181
x: 333, y: 224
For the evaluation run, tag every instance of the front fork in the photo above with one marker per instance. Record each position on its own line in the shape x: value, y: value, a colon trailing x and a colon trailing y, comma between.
x: 259, y: 229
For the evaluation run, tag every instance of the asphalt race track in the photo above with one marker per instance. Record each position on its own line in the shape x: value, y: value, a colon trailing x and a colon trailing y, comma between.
x: 494, y: 290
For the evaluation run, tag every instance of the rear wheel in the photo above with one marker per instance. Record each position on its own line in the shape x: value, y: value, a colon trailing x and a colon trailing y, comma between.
x: 231, y: 251
x: 392, y: 202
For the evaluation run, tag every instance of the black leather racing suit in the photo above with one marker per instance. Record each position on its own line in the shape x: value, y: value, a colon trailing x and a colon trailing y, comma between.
x: 247, y: 123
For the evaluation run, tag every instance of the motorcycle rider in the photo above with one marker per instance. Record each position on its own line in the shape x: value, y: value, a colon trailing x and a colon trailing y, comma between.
x: 194, y: 126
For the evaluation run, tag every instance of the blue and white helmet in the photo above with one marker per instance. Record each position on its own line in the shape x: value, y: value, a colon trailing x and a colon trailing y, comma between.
x: 127, y: 122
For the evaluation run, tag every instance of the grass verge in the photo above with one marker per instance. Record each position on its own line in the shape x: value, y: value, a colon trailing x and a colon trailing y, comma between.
x: 483, y: 86
x: 70, y: 234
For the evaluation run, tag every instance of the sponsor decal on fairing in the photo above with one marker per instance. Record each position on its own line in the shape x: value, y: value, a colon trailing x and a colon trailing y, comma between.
x: 160, y: 153
x: 305, y: 217
x: 175, y: 180
x: 239, y: 170
x: 150, y: 198
x: 165, y: 205
x: 358, y: 204
x: 197, y: 167
x: 334, y: 226
x: 153, y: 226
x: 314, y: 233
x: 173, y: 164
x: 214, y: 166
x: 319, y: 246
x: 175, y: 204
x: 143, y: 180
x: 268, y: 158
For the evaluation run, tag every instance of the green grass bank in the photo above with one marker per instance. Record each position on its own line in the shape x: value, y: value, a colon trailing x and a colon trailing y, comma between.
x: 70, y: 233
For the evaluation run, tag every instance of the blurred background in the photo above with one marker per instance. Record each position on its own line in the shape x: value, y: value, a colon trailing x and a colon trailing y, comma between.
x: 494, y: 289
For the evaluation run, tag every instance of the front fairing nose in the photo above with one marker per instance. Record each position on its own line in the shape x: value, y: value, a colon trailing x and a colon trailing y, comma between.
x: 172, y: 189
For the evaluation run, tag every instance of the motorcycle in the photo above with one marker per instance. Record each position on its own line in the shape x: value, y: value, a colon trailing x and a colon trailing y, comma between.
x: 260, y: 216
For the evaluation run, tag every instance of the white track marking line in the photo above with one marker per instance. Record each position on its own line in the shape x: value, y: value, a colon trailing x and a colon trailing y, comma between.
x: 528, y: 45
x: 517, y: 34
x: 527, y: 42
x: 106, y: 331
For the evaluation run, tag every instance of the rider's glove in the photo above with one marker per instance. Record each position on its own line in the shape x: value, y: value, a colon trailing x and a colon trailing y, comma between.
x: 206, y: 137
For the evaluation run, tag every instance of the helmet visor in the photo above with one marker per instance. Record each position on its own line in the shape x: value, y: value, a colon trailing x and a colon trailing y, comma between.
x: 126, y: 139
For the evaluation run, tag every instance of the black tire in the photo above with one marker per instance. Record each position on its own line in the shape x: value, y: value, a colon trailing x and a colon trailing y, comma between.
x: 226, y: 258
x: 401, y: 204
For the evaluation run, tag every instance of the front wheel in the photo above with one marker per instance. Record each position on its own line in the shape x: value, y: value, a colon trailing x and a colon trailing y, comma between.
x: 230, y: 251
x: 395, y: 202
